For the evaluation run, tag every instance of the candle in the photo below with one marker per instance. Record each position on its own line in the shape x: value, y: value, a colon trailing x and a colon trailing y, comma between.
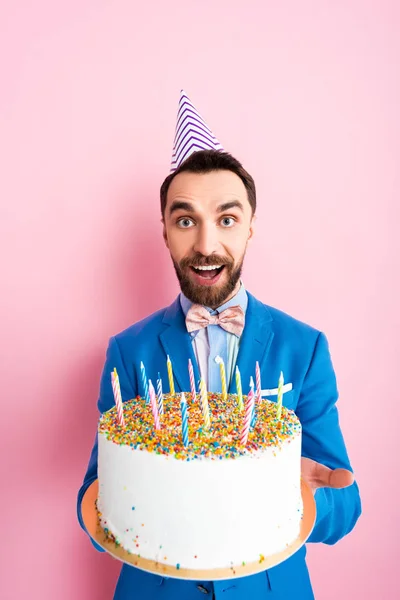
x: 223, y: 376
x: 204, y: 405
x: 244, y: 434
x: 258, y: 382
x: 192, y: 384
x: 280, y: 394
x: 185, y: 432
x: 117, y: 397
x: 160, y: 396
x: 254, y: 415
x: 170, y: 376
x: 153, y: 402
x: 239, y: 389
x: 144, y: 381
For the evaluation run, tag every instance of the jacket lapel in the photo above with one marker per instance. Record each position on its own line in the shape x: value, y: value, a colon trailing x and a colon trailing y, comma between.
x: 177, y: 344
x: 255, y: 342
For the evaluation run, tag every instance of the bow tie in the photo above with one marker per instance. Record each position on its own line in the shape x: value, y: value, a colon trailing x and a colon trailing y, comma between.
x: 231, y: 319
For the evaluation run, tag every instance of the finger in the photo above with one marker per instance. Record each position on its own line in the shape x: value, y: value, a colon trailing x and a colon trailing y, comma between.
x: 333, y: 478
x: 340, y: 478
x: 318, y: 475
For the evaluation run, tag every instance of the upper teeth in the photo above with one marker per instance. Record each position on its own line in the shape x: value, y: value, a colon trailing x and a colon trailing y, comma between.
x: 208, y: 268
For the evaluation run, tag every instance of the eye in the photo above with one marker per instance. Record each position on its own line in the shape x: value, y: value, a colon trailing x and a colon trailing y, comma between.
x: 184, y: 223
x: 228, y: 222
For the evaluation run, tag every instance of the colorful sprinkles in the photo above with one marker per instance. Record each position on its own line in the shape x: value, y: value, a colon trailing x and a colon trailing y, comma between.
x: 220, y: 441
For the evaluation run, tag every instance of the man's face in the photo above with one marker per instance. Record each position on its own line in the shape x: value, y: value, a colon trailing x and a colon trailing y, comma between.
x: 208, y: 222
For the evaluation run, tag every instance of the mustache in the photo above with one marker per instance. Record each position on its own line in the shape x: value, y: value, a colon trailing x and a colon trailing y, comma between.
x: 205, y: 261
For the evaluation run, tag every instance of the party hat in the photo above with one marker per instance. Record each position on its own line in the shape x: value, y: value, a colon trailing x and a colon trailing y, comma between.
x: 191, y: 134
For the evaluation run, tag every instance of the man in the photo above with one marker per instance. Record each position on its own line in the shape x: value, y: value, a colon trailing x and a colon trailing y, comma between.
x: 208, y: 205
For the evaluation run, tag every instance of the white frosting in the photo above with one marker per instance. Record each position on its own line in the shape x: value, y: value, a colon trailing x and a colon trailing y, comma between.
x: 203, y: 513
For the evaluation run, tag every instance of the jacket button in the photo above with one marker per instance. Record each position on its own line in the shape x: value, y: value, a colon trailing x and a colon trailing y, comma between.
x: 202, y: 589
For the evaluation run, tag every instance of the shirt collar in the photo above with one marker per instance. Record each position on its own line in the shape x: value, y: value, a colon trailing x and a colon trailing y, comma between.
x: 239, y: 300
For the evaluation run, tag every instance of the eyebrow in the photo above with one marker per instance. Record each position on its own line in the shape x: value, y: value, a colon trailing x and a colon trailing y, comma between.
x: 228, y: 205
x: 180, y: 205
x: 186, y: 206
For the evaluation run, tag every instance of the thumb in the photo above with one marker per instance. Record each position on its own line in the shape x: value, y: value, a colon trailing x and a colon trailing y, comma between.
x: 319, y: 475
x: 340, y: 478
x: 332, y: 478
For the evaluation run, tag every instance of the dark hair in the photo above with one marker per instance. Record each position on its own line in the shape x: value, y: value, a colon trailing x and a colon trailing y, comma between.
x: 204, y: 161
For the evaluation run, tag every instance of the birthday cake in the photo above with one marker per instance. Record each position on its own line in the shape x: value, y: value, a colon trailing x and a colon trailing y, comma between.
x: 212, y: 503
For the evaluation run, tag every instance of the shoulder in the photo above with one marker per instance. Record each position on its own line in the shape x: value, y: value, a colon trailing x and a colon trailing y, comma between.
x: 150, y: 324
x: 138, y: 337
x: 291, y: 323
x: 285, y: 325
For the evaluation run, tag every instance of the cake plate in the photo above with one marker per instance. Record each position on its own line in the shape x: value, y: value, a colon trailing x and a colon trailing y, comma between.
x: 90, y: 519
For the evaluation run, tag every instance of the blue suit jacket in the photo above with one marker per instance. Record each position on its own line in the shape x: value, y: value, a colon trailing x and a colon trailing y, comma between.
x: 279, y: 343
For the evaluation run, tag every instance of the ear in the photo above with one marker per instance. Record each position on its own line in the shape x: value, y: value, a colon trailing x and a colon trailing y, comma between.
x: 252, y: 228
x: 165, y: 234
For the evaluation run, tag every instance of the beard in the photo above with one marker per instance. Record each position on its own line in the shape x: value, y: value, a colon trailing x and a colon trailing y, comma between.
x: 212, y: 296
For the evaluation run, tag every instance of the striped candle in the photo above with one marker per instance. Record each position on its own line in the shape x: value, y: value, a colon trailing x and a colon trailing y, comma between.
x: 279, y: 399
x: 144, y: 382
x: 153, y: 402
x: 223, y: 376
x: 244, y: 434
x: 258, y: 382
x: 192, y: 384
x: 117, y: 397
x: 204, y: 404
x: 185, y: 429
x: 160, y: 396
x: 170, y: 376
x: 254, y: 415
x: 239, y: 389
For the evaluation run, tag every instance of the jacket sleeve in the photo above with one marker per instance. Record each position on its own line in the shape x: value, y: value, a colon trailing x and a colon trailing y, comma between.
x: 114, y: 359
x: 322, y: 441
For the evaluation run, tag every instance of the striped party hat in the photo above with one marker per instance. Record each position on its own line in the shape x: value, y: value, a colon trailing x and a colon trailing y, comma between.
x: 191, y: 134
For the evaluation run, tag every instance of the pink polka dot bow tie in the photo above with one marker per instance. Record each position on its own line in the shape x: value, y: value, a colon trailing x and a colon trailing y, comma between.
x: 231, y: 319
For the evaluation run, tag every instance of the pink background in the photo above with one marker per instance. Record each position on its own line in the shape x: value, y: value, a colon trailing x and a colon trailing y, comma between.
x: 306, y: 94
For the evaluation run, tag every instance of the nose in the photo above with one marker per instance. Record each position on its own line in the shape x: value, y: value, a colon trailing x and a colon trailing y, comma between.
x: 206, y: 241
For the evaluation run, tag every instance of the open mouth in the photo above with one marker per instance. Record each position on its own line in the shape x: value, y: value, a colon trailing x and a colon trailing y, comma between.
x: 207, y: 275
x: 208, y: 272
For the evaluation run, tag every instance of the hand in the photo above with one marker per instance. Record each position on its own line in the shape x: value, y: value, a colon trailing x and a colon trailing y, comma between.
x: 317, y: 475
